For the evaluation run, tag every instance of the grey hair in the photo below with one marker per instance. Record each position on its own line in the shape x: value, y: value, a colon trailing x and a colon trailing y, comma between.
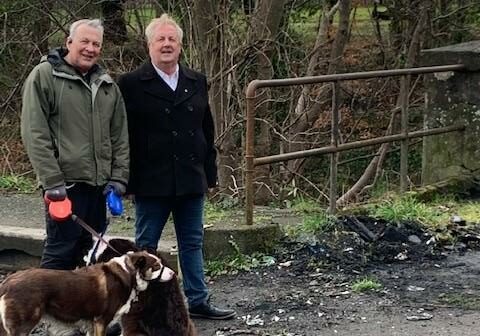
x: 164, y: 19
x: 94, y: 23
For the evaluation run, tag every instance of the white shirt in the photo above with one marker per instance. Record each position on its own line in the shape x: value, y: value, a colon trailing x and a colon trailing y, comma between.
x: 171, y: 80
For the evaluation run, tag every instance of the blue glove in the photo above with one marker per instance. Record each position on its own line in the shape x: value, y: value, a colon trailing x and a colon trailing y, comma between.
x: 118, y: 188
x: 55, y: 194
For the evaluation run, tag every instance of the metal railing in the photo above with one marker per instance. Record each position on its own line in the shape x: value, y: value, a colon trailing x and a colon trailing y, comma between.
x: 335, y: 147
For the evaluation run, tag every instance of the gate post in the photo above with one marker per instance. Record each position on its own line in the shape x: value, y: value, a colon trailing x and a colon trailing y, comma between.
x: 452, y: 98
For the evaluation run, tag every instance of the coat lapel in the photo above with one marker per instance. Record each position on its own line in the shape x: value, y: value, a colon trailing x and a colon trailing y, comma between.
x: 154, y: 85
x: 186, y: 87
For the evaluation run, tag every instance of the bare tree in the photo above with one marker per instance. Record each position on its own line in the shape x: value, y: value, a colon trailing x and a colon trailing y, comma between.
x: 234, y: 42
x: 373, y: 169
x: 211, y: 19
x: 264, y: 27
x: 114, y: 22
x: 307, y: 112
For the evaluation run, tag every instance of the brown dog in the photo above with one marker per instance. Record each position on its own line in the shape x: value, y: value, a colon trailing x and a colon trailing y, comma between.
x: 159, y: 311
x: 88, y: 298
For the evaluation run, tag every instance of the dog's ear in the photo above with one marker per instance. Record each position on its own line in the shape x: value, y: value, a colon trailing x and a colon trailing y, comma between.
x: 139, y: 261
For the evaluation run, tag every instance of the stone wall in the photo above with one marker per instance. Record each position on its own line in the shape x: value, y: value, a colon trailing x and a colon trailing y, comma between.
x: 452, y: 98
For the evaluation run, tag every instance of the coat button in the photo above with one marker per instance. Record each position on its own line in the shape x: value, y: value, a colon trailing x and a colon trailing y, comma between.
x: 167, y: 111
x: 190, y: 108
x: 174, y: 133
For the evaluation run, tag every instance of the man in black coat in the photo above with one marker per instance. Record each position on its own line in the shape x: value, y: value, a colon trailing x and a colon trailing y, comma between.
x: 172, y: 155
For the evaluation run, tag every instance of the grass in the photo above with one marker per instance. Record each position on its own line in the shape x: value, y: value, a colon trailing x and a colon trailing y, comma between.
x: 460, y: 300
x: 16, y: 183
x: 434, y: 216
x: 470, y: 211
x: 315, y: 219
x: 318, y: 222
x: 366, y: 285
x: 214, y: 213
x: 237, y: 262
x: 305, y: 23
x: 408, y: 208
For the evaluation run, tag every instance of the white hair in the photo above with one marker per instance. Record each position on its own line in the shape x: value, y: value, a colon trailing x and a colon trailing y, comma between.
x: 164, y: 19
x: 94, y: 23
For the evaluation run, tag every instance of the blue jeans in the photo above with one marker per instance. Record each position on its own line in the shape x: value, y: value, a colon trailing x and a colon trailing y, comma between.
x: 152, y: 214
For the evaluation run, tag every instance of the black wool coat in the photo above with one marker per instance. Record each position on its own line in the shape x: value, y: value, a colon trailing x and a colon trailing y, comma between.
x: 171, y: 133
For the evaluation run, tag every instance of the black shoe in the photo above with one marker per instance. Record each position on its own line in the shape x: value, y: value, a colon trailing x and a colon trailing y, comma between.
x: 207, y: 311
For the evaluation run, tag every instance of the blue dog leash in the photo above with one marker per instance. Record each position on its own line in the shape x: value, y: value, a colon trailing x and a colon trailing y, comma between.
x: 115, y: 208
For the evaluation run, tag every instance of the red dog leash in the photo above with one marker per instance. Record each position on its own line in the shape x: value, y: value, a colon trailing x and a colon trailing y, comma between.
x: 62, y: 210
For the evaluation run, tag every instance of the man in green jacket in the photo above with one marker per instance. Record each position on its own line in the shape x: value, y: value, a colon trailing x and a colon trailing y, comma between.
x: 74, y: 129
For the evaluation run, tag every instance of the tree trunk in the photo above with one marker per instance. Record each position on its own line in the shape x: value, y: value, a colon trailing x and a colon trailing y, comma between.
x: 41, y: 26
x: 114, y: 22
x: 298, y: 119
x: 341, y: 37
x: 304, y: 119
x: 265, y: 23
x: 211, y: 42
x: 374, y: 166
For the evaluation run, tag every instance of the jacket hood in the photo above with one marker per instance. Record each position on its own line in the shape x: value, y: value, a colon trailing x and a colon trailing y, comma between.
x: 56, y: 58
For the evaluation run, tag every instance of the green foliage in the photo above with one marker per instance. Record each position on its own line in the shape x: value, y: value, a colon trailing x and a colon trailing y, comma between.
x: 407, y: 208
x: 237, y: 262
x: 318, y: 222
x: 304, y: 24
x: 214, y: 213
x: 470, y: 211
x: 305, y: 206
x: 435, y: 215
x: 15, y: 183
x: 365, y: 285
x: 315, y: 219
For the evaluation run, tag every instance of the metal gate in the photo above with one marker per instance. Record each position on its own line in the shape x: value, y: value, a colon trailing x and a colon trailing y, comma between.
x: 335, y: 147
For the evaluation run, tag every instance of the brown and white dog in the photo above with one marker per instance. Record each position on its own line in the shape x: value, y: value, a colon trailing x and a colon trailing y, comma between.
x: 87, y: 298
x: 160, y: 310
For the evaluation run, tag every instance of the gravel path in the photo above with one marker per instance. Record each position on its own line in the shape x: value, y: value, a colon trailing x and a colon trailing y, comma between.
x: 291, y: 301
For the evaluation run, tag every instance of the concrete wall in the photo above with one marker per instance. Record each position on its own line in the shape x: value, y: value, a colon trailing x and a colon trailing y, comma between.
x: 452, y: 98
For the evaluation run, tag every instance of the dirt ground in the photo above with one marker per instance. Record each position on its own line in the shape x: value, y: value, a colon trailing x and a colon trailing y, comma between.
x: 427, y: 289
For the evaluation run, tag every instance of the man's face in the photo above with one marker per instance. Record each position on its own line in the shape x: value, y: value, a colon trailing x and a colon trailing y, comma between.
x: 165, y: 46
x: 84, y: 48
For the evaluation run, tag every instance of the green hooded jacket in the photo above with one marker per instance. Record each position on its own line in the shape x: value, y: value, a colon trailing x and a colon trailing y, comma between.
x: 74, y: 131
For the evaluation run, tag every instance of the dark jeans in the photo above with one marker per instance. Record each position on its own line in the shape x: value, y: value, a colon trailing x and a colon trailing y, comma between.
x: 67, y: 242
x: 152, y: 214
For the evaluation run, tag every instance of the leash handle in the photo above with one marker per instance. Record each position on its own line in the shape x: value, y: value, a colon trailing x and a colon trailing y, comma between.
x: 62, y: 210
x: 114, y: 203
x: 59, y: 211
